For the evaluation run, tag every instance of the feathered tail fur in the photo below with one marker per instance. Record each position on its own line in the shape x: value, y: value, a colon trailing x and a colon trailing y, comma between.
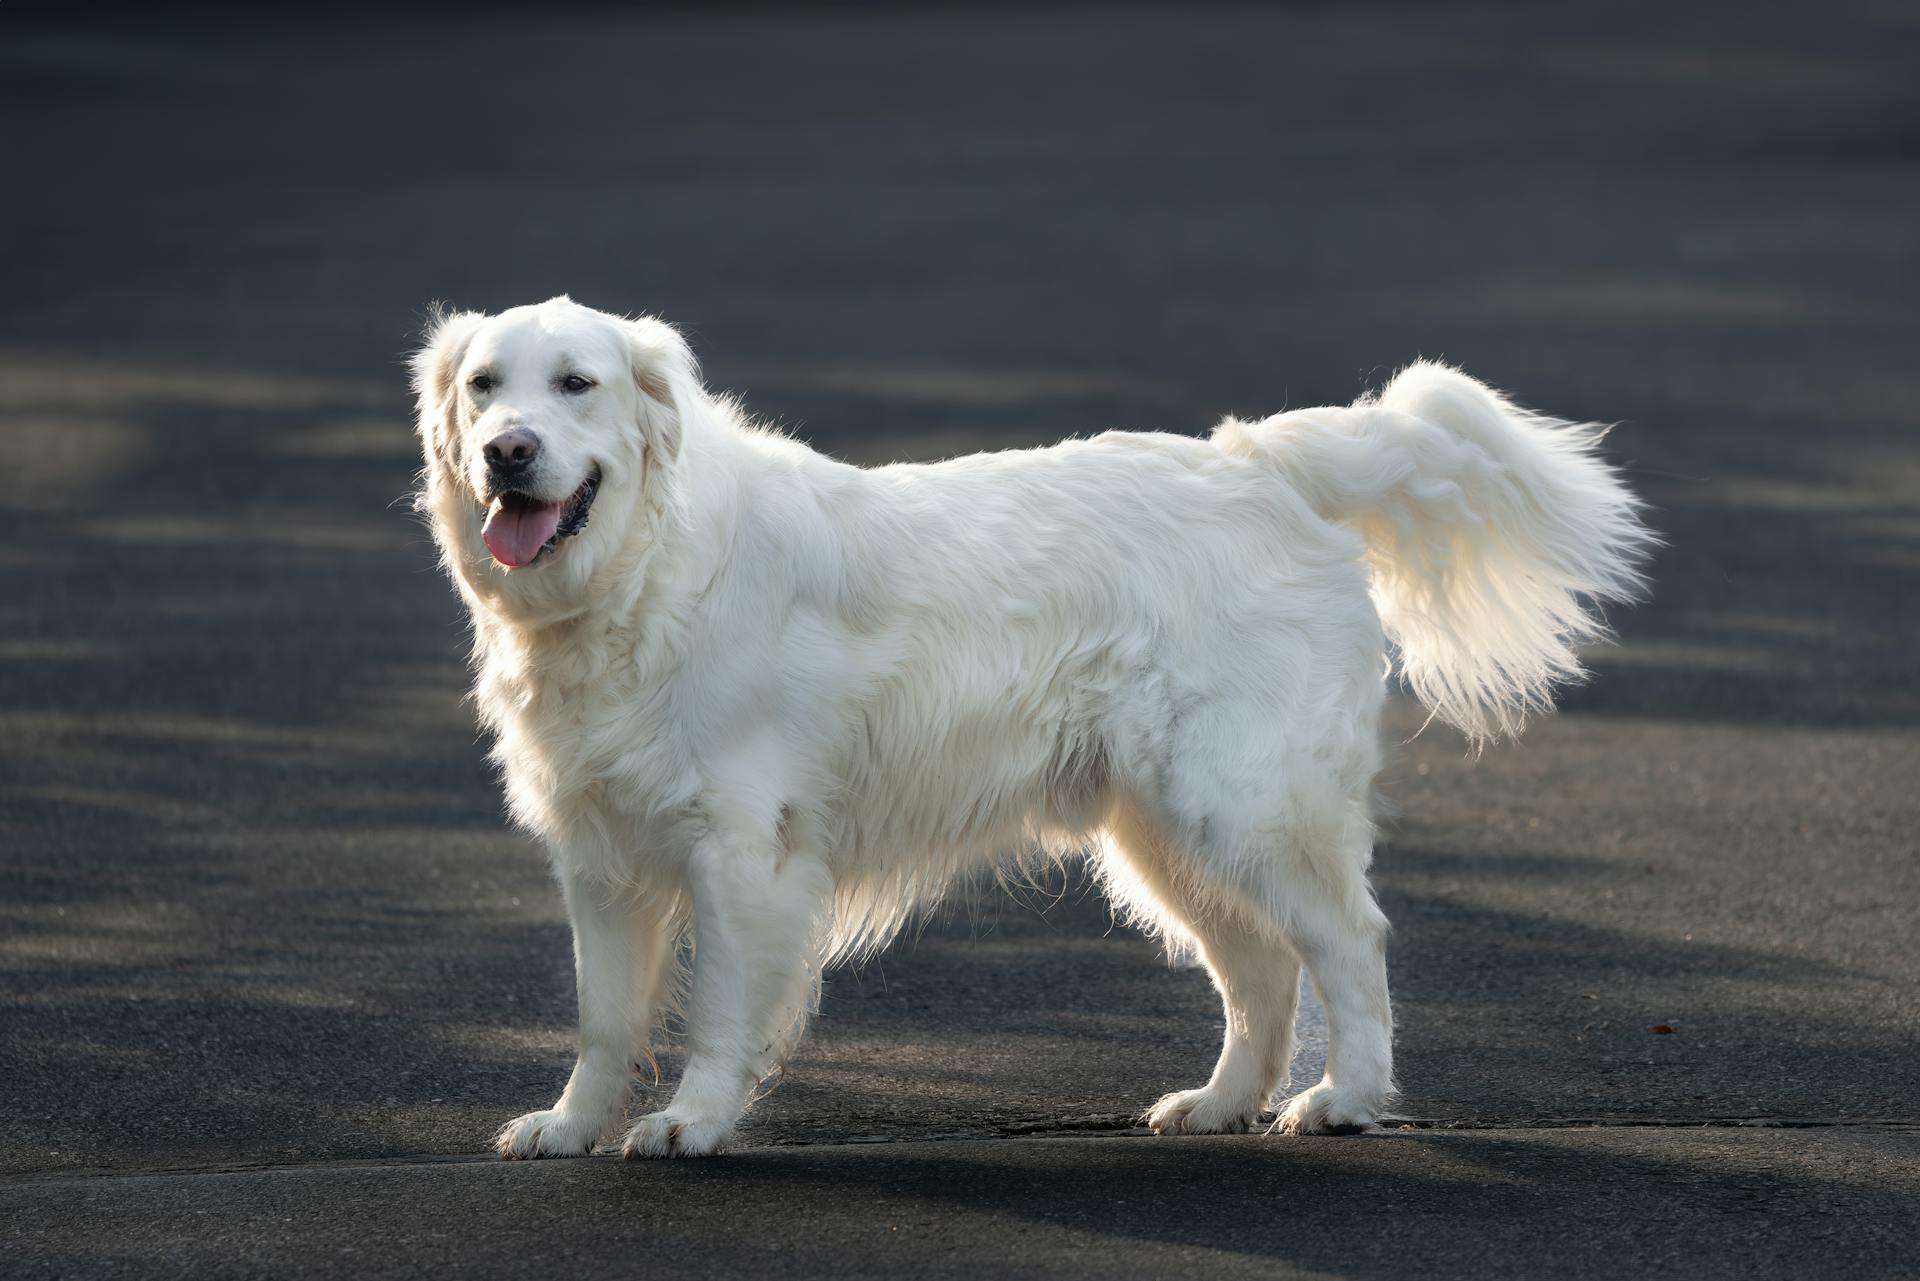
x: 1494, y: 534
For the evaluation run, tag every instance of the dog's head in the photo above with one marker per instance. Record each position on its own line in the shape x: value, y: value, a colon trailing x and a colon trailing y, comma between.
x: 550, y: 434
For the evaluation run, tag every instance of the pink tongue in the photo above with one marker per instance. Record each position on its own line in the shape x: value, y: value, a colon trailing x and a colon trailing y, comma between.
x: 516, y: 534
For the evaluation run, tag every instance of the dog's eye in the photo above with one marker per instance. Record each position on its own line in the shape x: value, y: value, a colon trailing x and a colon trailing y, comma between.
x: 574, y: 384
x: 481, y: 382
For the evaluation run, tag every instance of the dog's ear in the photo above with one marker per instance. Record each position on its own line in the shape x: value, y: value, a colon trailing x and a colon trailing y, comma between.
x: 669, y: 381
x: 434, y: 367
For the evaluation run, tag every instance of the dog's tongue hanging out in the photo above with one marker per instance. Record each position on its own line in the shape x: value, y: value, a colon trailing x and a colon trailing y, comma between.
x: 518, y: 527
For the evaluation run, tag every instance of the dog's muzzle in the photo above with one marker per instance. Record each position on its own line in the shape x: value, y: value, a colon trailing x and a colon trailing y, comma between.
x: 522, y: 529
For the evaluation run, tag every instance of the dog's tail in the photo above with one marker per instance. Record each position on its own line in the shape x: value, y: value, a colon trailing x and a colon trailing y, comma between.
x: 1494, y: 534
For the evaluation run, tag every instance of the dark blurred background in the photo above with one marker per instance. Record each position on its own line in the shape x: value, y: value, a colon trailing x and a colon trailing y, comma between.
x: 258, y: 899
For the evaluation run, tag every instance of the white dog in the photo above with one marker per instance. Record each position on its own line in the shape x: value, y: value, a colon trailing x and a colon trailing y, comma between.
x: 751, y: 694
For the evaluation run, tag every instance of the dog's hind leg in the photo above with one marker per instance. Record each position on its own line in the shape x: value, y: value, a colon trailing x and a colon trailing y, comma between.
x: 1259, y: 904
x: 1347, y: 959
x: 1255, y: 972
x: 1314, y: 888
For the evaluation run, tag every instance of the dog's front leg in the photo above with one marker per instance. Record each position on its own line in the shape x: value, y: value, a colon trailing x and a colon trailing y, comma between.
x: 619, y: 958
x: 756, y: 906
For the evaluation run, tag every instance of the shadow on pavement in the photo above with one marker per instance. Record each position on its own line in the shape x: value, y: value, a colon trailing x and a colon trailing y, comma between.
x: 1575, y: 1204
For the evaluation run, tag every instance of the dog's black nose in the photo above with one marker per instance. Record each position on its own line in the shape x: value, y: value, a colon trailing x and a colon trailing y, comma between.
x: 511, y: 452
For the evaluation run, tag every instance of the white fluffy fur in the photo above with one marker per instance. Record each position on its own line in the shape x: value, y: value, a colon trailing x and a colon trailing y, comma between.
x: 781, y: 702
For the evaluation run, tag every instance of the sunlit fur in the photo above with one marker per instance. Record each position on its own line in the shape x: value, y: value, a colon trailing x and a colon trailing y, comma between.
x: 780, y: 703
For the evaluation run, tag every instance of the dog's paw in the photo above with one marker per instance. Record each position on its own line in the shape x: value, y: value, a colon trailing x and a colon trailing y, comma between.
x: 671, y: 1133
x: 1202, y: 1111
x: 1326, y: 1109
x: 549, y: 1133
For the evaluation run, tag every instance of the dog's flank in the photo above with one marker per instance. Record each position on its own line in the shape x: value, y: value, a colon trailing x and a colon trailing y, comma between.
x: 776, y: 704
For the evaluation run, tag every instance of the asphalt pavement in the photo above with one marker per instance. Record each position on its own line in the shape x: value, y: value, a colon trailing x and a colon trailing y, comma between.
x: 272, y: 966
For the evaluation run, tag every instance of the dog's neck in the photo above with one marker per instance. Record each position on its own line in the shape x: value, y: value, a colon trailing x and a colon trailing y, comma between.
x: 551, y: 640
x: 529, y: 632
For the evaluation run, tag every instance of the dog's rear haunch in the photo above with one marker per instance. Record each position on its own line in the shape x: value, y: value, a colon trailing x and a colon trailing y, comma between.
x: 769, y: 705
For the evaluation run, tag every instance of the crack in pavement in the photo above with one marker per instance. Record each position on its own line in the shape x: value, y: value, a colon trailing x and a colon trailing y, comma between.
x: 1108, y: 1125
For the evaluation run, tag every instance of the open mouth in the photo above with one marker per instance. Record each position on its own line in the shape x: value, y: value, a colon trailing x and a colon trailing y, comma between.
x: 521, y: 529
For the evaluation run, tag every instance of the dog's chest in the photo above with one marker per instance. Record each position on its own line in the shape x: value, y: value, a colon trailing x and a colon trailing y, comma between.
x: 591, y: 768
